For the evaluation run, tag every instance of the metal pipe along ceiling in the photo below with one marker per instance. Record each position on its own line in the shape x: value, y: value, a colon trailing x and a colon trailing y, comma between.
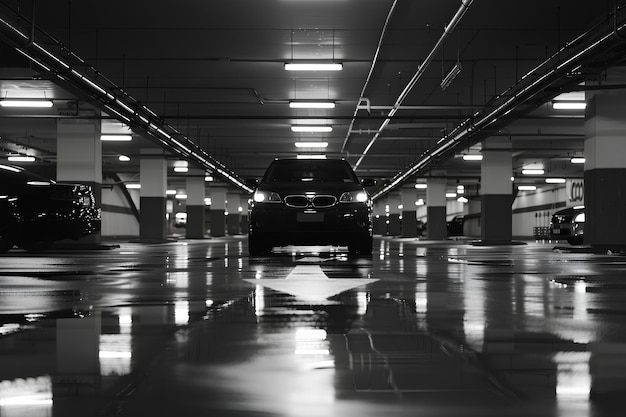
x: 111, y: 98
x: 465, y: 4
x: 531, y: 89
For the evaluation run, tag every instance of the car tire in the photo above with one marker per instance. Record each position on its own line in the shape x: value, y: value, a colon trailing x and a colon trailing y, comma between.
x: 258, y: 246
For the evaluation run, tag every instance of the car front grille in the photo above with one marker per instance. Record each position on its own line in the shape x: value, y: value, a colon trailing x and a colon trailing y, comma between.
x: 303, y: 201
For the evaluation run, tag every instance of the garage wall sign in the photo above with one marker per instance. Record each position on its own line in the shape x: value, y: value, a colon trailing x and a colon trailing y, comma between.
x: 576, y: 191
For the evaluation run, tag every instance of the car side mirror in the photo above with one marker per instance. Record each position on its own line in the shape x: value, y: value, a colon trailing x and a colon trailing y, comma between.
x: 368, y: 182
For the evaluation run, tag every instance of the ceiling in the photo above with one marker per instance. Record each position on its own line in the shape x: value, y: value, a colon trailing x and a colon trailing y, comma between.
x: 210, y: 75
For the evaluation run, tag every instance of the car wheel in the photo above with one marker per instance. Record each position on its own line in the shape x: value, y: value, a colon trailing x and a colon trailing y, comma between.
x: 258, y: 246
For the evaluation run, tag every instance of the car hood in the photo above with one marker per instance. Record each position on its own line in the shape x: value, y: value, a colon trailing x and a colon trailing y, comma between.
x: 317, y: 187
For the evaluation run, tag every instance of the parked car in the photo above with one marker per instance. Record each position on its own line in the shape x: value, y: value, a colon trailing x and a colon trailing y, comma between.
x: 36, y: 211
x: 568, y: 224
x: 455, y: 226
x: 180, y: 219
x: 310, y: 202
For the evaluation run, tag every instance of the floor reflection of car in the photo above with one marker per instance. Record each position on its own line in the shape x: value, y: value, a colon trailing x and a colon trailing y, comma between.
x: 180, y: 219
x: 455, y: 226
x: 36, y: 211
x: 310, y: 202
x: 568, y: 224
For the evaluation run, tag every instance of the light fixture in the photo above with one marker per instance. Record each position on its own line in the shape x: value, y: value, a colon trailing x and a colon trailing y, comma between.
x: 311, y: 144
x: 577, y: 160
x: 456, y: 69
x: 312, y: 104
x: 527, y: 187
x: 181, y: 169
x: 569, y: 105
x: 421, y: 186
x: 311, y: 128
x: 21, y: 158
x: 532, y: 171
x: 170, y: 192
x: 290, y: 66
x: 133, y: 186
x: 463, y: 200
x: 555, y: 181
x: 115, y: 138
x: 450, y: 195
x: 25, y: 103
x: 181, y: 196
x: 472, y: 157
x: 311, y: 156
x: 123, y: 158
x: 208, y: 178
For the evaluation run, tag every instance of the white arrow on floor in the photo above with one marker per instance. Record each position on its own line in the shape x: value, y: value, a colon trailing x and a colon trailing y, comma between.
x: 310, y: 283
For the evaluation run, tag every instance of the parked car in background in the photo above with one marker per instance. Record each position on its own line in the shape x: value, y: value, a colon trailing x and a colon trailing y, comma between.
x: 455, y: 226
x: 180, y: 219
x: 36, y: 211
x: 568, y: 224
x: 310, y: 202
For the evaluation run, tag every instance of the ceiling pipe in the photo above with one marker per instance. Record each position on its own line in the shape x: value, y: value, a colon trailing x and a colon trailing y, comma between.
x: 529, y: 92
x: 465, y: 4
x: 110, y: 98
x: 369, y: 75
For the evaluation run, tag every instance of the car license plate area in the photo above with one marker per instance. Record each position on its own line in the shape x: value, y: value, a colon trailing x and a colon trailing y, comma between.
x: 309, y: 216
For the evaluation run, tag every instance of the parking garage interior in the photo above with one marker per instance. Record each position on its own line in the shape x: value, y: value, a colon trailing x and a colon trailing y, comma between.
x: 473, y: 122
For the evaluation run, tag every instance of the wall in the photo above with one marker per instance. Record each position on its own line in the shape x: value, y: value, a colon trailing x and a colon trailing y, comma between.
x: 118, y: 218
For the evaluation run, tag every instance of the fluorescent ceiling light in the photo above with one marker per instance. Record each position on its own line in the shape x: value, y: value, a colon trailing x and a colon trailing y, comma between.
x: 421, y: 186
x: 170, y: 192
x: 577, y: 160
x: 532, y: 171
x: 133, y: 186
x: 527, y: 187
x: 472, y: 157
x: 450, y: 195
x: 181, y: 169
x: 116, y: 138
x: 313, y: 128
x: 123, y: 158
x: 555, y: 180
x: 311, y: 156
x: 26, y: 103
x: 311, y: 144
x: 290, y: 66
x: 462, y: 200
x: 208, y: 178
x: 569, y: 105
x: 312, y: 104
x: 21, y: 158
x: 181, y: 196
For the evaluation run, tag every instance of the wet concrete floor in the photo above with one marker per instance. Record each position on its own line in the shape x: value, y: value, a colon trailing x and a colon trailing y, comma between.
x: 422, y: 328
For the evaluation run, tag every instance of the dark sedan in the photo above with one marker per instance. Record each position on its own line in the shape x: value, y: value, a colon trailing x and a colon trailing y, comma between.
x: 36, y: 211
x: 310, y: 202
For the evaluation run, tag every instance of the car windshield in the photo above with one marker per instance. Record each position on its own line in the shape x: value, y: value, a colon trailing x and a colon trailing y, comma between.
x: 327, y: 170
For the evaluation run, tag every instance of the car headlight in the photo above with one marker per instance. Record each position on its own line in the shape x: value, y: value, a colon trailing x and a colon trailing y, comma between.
x: 354, y: 197
x: 266, y: 197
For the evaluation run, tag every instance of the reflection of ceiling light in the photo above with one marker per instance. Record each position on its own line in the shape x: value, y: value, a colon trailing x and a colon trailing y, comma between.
x: 313, y: 128
x: 577, y: 160
x: 311, y: 144
x: 25, y: 103
x: 21, y: 158
x: 116, y: 138
x: 313, y: 67
x: 123, y: 158
x: 472, y: 157
x: 555, y: 180
x: 569, y: 105
x: 312, y: 104
x: 532, y: 171
x: 526, y: 187
x: 311, y: 156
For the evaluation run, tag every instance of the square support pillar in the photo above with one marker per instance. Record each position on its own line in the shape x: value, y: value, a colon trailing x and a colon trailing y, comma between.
x: 152, y: 205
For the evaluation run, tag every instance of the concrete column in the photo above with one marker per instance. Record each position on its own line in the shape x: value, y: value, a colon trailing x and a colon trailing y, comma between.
x: 79, y: 158
x: 152, y: 196
x: 394, y: 227
x: 436, y: 208
x: 195, y: 204
x: 605, y: 172
x: 496, y: 191
x: 409, y: 215
x: 218, y: 207
x: 233, y: 220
